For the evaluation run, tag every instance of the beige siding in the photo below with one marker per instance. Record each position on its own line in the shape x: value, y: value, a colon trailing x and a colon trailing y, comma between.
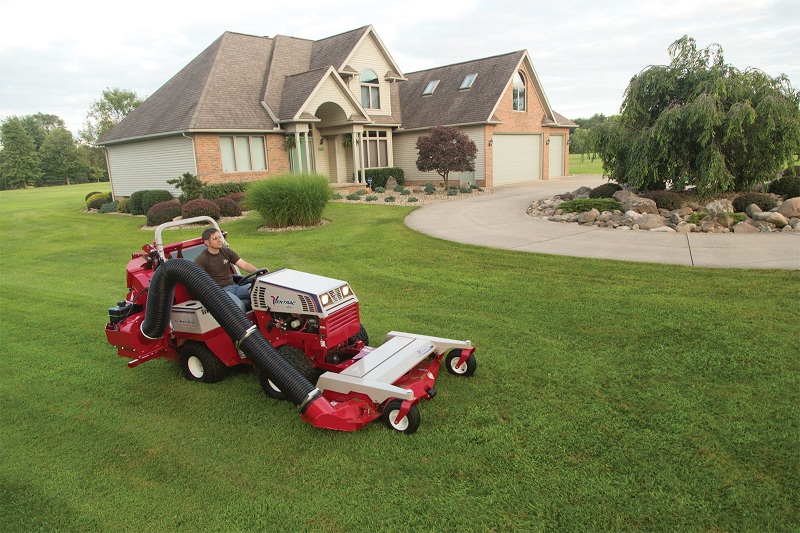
x: 149, y: 164
x: 405, y: 156
x: 369, y: 56
x: 332, y: 92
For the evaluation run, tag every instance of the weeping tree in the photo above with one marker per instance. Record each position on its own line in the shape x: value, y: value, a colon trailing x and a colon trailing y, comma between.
x: 700, y: 122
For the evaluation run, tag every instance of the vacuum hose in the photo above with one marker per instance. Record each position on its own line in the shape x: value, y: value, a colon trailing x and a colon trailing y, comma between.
x: 245, y: 335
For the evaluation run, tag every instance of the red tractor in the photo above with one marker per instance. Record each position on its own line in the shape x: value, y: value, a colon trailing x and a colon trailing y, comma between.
x: 301, y: 332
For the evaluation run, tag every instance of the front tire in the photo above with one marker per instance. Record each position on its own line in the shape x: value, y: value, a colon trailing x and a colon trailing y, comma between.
x: 466, y: 369
x: 408, y: 424
x: 362, y: 335
x: 199, y: 363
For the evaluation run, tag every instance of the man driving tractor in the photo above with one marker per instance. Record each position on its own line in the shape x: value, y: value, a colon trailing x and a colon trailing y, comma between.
x: 217, y: 258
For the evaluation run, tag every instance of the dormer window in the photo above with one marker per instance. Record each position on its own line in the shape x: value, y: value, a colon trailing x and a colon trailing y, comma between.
x: 430, y: 88
x: 468, y: 81
x: 370, y: 90
x: 519, y: 92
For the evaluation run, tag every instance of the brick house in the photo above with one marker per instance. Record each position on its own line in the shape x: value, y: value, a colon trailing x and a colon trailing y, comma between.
x: 251, y: 107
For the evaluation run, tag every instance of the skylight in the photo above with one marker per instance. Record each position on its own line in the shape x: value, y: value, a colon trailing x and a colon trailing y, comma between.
x: 467, y: 83
x: 430, y: 88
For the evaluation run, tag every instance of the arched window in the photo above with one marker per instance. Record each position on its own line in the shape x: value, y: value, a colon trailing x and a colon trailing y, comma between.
x: 370, y: 90
x: 519, y: 92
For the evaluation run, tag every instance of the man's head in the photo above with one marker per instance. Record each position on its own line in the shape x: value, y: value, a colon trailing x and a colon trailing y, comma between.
x: 212, y: 238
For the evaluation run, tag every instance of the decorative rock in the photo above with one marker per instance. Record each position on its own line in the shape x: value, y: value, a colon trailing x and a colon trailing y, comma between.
x: 559, y: 218
x: 622, y: 195
x: 582, y: 192
x: 720, y: 206
x: 723, y: 219
x: 588, y: 217
x: 663, y: 229
x: 641, y: 205
x: 744, y: 227
x: 772, y: 218
x: 632, y: 215
x: 752, y: 208
x: 624, y: 227
x: 650, y: 222
x: 684, y: 227
x: 391, y: 183
x: 790, y: 208
x: 709, y: 226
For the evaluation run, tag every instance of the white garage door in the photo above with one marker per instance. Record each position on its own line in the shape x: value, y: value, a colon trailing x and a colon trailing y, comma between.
x: 556, y: 156
x: 517, y: 158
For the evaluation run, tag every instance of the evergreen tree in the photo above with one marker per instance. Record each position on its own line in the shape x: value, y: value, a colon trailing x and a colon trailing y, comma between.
x: 20, y: 161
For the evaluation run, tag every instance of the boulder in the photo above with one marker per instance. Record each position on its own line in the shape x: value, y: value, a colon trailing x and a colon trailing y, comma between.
x: 790, y: 208
x: 649, y: 221
x: 663, y: 229
x: 391, y: 183
x: 719, y: 206
x: 752, y: 208
x: 582, y: 192
x: 622, y: 195
x: 771, y: 218
x: 684, y: 227
x: 744, y: 227
x: 588, y: 217
x: 723, y: 219
x: 708, y: 225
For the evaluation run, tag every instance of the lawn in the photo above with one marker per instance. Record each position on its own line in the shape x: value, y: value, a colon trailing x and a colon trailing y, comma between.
x: 608, y: 396
x: 583, y: 164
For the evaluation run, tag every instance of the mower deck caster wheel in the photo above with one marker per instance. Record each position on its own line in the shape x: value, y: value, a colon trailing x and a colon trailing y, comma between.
x: 408, y: 424
x: 466, y: 369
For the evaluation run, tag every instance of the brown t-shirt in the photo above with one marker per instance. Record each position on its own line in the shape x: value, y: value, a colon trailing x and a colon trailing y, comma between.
x: 218, y: 265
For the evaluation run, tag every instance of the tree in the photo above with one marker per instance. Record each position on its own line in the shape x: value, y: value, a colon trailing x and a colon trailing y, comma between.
x: 107, y: 112
x: 60, y: 159
x: 444, y: 150
x: 20, y: 161
x: 700, y: 122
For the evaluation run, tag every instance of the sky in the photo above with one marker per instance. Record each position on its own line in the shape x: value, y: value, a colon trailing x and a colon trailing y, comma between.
x: 57, y: 57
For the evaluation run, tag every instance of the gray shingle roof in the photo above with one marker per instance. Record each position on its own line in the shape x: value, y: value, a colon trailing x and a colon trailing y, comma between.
x: 336, y: 49
x: 450, y: 105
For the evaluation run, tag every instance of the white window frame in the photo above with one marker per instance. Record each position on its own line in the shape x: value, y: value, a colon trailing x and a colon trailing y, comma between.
x: 375, y: 147
x: 372, y: 98
x: 241, y: 161
x: 520, y: 93
x: 432, y: 85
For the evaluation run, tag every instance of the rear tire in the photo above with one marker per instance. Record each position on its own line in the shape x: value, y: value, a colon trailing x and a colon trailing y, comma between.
x: 408, y: 424
x: 199, y: 363
x: 297, y: 358
x: 362, y: 335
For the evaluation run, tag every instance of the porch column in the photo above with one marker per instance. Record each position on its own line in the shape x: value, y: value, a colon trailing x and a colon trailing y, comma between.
x: 309, y: 147
x: 353, y: 146
x: 361, y: 161
x: 298, y: 164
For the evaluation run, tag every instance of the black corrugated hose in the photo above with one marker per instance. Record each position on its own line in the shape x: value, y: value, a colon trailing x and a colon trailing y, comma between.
x: 292, y: 383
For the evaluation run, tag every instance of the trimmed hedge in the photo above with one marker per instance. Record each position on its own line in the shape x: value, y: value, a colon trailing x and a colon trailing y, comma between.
x: 163, y: 212
x: 788, y: 185
x: 110, y: 207
x: 228, y: 207
x: 141, y: 201
x: 664, y: 199
x: 221, y: 190
x: 201, y: 208
x: 605, y: 190
x: 381, y: 175
x: 96, y: 200
x: 764, y: 201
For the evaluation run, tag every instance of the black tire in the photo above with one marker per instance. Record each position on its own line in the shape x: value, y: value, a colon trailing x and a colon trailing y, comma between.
x: 297, y: 358
x: 408, y: 424
x: 199, y: 363
x: 362, y: 335
x: 465, y: 370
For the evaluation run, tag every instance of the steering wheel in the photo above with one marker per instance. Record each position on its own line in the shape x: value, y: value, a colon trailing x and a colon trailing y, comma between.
x: 251, y: 276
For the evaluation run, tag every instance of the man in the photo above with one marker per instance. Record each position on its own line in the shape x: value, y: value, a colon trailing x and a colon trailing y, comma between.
x: 216, y: 259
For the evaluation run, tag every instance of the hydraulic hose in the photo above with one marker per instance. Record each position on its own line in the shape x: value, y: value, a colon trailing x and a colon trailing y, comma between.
x: 245, y: 335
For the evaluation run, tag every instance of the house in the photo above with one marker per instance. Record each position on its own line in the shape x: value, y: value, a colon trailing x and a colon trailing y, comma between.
x: 250, y: 107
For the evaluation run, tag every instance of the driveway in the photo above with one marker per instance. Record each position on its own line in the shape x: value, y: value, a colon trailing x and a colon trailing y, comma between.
x: 499, y: 220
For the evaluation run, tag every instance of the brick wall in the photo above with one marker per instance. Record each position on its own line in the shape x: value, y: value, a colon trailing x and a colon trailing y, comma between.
x: 209, y: 159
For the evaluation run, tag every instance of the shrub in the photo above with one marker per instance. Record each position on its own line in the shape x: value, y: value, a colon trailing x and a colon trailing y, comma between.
x: 227, y: 207
x: 605, y: 190
x: 411, y: 199
x: 86, y: 198
x: 389, y: 199
x: 430, y: 188
x: 664, y: 199
x: 399, y: 188
x: 153, y: 197
x: 370, y: 198
x: 290, y: 199
x: 787, y: 185
x: 221, y: 190
x: 763, y: 201
x: 110, y: 207
x: 361, y: 192
x: 380, y: 176
x: 135, y: 204
x: 124, y: 206
x: 96, y: 200
x: 587, y: 204
x: 200, y: 208
x: 379, y: 190
x: 465, y: 190
x: 405, y: 192
x: 336, y: 196
x: 452, y: 192
x: 163, y: 212
x: 190, y: 185
x: 237, y: 197
x: 353, y: 197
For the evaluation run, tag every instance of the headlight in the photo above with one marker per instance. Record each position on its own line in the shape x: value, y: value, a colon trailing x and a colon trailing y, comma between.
x: 346, y: 290
x: 324, y: 299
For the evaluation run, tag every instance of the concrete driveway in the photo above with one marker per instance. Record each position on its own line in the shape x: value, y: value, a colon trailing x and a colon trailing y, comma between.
x: 499, y: 220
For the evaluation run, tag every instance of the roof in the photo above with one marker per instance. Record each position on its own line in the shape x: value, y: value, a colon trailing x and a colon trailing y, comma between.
x: 451, y: 105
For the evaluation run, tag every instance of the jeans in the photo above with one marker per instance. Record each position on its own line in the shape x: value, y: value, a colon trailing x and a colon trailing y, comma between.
x: 240, y: 294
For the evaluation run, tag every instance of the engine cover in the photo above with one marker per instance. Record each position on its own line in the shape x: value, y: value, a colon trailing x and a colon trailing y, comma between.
x: 300, y: 293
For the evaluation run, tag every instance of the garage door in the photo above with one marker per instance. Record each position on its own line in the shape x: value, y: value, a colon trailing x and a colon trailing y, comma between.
x: 556, y: 156
x: 516, y: 158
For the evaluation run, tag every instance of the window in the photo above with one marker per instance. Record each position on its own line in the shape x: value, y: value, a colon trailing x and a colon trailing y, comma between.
x: 468, y: 81
x: 519, y: 92
x: 243, y: 153
x: 376, y: 148
x: 370, y: 90
x: 430, y: 88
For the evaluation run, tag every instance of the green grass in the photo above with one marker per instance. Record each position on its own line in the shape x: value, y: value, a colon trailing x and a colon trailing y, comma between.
x: 608, y: 395
x: 583, y: 164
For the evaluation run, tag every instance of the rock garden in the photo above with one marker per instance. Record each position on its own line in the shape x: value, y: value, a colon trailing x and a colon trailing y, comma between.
x: 611, y: 206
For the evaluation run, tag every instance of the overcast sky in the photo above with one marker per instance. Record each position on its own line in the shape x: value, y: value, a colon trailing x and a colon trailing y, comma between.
x: 57, y: 57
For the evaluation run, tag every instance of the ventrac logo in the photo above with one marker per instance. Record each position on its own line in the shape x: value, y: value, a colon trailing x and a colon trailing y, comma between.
x: 276, y: 300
